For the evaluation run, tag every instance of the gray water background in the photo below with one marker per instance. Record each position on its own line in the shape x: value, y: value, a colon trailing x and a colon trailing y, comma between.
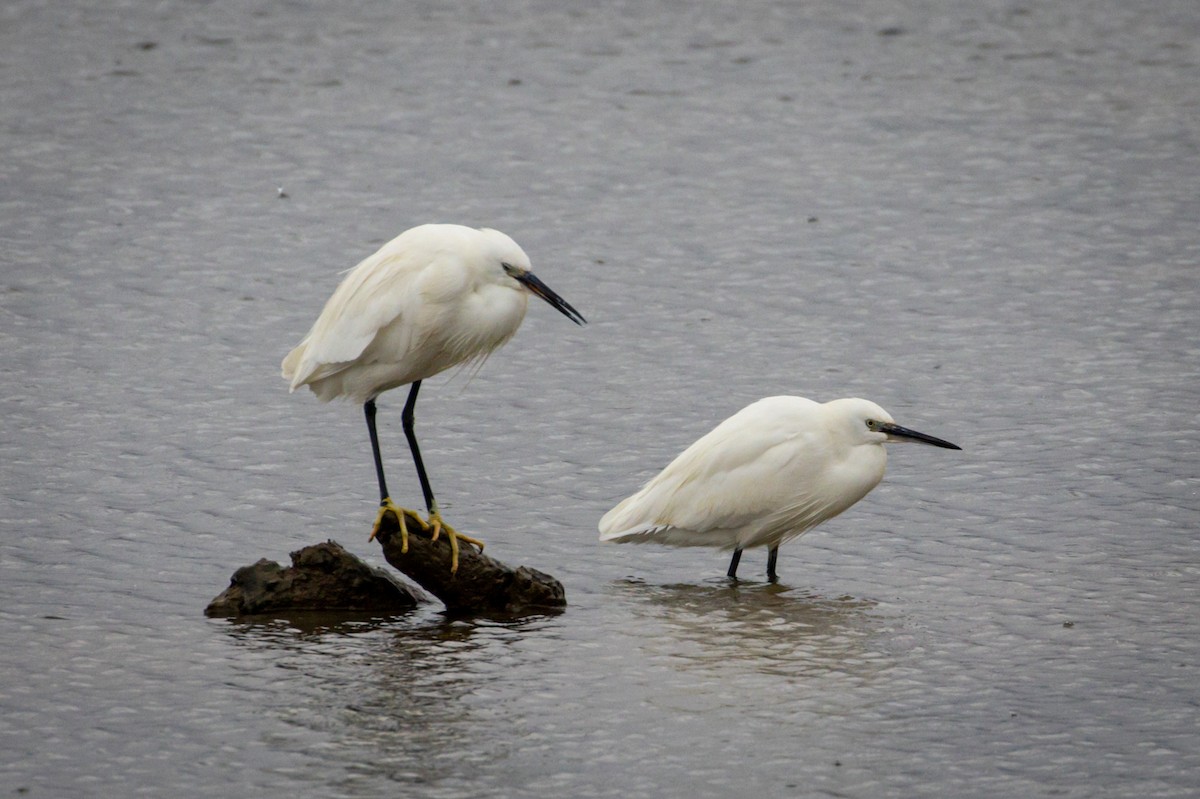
x: 981, y: 215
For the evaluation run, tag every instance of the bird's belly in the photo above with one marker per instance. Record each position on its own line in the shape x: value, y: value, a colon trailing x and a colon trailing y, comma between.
x: 441, y: 339
x: 772, y: 532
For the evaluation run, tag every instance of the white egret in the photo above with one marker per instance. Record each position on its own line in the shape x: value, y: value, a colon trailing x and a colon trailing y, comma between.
x: 434, y: 297
x: 767, y: 474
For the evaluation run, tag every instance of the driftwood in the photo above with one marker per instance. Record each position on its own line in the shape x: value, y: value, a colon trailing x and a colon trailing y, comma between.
x: 482, y: 585
x: 322, y: 577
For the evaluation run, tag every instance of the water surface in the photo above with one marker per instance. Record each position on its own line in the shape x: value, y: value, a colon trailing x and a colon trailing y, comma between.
x: 981, y: 216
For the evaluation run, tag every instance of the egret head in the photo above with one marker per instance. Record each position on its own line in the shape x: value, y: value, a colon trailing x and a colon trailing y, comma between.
x: 515, y: 266
x: 868, y: 423
x: 500, y: 249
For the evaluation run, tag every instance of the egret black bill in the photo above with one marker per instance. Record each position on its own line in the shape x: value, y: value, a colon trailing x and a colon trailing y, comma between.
x: 534, y: 284
x: 899, y: 433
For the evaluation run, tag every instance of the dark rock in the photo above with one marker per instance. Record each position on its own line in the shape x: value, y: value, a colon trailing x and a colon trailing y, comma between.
x: 481, y: 586
x: 321, y: 577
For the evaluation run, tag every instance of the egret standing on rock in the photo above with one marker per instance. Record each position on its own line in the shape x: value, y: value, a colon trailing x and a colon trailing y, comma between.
x: 765, y: 475
x: 434, y: 297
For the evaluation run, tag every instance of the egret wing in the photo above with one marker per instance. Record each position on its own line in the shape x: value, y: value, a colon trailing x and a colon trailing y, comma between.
x: 739, y: 475
x: 371, y: 296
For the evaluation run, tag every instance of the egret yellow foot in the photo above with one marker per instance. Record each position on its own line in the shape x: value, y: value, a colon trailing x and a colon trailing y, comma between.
x: 386, y: 507
x: 437, y: 524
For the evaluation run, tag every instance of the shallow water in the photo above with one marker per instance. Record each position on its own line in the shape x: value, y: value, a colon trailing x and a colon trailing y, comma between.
x: 981, y: 216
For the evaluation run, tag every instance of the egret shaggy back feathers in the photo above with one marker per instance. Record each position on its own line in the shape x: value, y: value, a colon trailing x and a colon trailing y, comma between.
x: 434, y: 297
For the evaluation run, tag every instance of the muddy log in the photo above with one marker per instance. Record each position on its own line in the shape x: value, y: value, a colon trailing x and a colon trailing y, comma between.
x: 322, y: 577
x: 482, y: 585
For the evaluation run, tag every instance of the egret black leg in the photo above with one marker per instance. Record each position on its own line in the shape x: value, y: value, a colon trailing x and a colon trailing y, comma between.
x: 369, y: 411
x: 435, y: 519
x: 772, y: 554
x: 406, y: 419
x: 733, y: 564
x: 386, y: 505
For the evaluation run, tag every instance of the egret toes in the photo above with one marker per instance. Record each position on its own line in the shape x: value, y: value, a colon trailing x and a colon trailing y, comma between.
x: 386, y: 507
x: 438, y: 524
x: 435, y: 526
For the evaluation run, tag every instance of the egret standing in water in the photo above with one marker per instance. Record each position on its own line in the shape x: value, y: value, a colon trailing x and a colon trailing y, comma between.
x: 434, y: 297
x: 767, y: 474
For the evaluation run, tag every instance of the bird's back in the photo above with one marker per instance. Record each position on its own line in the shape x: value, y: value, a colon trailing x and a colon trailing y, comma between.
x: 418, y: 306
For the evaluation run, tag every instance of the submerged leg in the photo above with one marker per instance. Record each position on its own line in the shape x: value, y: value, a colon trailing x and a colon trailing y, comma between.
x: 407, y: 419
x: 772, y: 555
x: 385, y: 501
x: 733, y: 564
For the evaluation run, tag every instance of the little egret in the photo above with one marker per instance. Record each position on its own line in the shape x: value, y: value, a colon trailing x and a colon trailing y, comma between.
x: 767, y: 474
x: 434, y: 297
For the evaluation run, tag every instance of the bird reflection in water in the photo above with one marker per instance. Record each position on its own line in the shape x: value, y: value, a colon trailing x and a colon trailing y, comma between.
x: 727, y: 627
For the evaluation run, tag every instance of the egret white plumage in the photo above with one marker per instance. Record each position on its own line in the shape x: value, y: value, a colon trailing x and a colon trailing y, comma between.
x: 434, y: 297
x: 769, y: 473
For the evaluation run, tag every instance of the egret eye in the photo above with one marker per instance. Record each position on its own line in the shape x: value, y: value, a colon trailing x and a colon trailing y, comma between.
x: 509, y: 268
x: 872, y: 424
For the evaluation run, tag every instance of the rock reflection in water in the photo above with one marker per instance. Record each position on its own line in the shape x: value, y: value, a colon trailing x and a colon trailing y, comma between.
x: 406, y: 700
